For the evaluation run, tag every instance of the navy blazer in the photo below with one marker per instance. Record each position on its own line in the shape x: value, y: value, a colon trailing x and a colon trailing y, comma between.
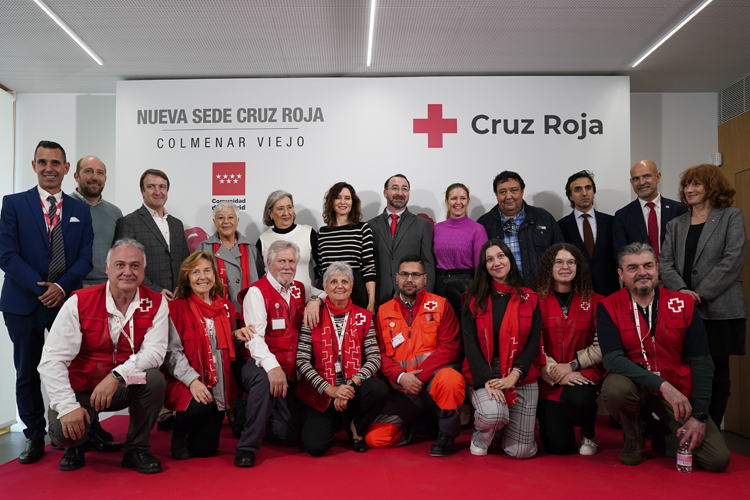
x: 630, y: 226
x: 24, y: 249
x: 602, y: 265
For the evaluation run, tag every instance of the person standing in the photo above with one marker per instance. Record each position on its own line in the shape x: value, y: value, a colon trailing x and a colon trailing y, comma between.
x: 644, y: 219
x: 398, y: 232
x: 91, y: 176
x: 591, y: 232
x: 528, y: 231
x: 161, y: 233
x: 703, y: 255
x: 46, y: 241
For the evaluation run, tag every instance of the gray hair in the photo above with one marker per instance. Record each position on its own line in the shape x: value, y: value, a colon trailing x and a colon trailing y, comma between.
x: 339, y: 268
x: 271, y: 201
x: 226, y: 205
x: 636, y: 248
x: 279, y: 246
x: 128, y: 242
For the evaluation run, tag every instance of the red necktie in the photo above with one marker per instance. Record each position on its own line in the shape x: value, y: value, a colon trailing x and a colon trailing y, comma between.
x: 653, y: 229
x: 394, y: 218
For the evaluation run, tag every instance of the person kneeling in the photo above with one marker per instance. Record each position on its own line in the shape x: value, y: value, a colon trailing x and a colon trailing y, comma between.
x: 338, y: 360
x: 103, y: 353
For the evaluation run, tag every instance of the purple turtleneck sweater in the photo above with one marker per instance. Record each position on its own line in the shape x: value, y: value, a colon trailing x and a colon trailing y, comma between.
x: 458, y: 242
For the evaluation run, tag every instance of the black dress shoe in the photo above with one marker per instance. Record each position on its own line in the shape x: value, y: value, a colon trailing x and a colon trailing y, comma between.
x: 97, y: 443
x: 244, y: 458
x: 33, y: 451
x: 179, y: 446
x: 141, y: 460
x: 358, y: 445
x: 73, y: 458
x: 443, y: 445
x: 96, y: 428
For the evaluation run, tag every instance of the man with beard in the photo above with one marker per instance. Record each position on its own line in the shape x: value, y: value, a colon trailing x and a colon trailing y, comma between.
x: 655, y: 349
x: 91, y: 176
x: 397, y: 232
x: 646, y: 218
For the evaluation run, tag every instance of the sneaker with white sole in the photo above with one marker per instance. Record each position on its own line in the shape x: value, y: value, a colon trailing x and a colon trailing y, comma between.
x: 587, y: 447
x: 477, y: 451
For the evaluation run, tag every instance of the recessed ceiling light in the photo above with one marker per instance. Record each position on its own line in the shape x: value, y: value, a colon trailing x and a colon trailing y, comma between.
x: 70, y: 32
x: 673, y: 31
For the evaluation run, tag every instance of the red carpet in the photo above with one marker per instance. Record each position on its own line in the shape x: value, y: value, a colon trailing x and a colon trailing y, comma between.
x: 407, y: 472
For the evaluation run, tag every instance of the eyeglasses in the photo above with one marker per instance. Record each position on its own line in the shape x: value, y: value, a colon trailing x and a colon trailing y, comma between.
x: 414, y: 276
x: 510, y: 227
x: 562, y: 263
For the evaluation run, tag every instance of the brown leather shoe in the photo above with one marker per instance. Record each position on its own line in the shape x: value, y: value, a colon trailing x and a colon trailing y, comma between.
x: 631, y: 452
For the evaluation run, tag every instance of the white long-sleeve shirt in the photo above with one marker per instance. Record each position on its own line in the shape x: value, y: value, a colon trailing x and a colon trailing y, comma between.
x: 64, y: 343
x: 254, y: 311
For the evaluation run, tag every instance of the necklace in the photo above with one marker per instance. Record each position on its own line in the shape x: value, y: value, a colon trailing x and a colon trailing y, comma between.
x: 565, y: 307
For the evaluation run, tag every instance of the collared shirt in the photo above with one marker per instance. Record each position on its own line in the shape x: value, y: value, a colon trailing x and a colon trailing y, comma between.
x: 44, y: 195
x: 512, y: 240
x: 646, y: 211
x: 254, y: 310
x: 161, y: 222
x: 579, y: 221
x: 388, y: 214
x: 64, y: 343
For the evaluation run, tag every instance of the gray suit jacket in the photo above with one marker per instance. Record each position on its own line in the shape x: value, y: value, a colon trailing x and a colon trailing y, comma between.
x: 718, y: 263
x: 162, y: 263
x: 413, y: 236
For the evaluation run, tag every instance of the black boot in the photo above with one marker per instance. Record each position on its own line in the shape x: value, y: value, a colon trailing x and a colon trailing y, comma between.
x: 179, y: 448
x: 443, y: 445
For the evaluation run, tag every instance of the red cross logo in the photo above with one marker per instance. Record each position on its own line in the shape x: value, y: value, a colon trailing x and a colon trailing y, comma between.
x: 585, y: 306
x: 525, y: 296
x: 145, y: 304
x: 431, y: 305
x: 295, y: 292
x: 676, y: 305
x: 435, y: 126
x: 359, y: 319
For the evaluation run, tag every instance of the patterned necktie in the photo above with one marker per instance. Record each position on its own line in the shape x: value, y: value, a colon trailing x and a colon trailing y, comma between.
x: 588, y: 235
x: 653, y: 228
x: 56, y: 245
x: 394, y: 223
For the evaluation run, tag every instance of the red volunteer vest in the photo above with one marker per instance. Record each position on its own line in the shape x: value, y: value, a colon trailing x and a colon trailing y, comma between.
x: 98, y: 356
x: 529, y: 302
x: 562, y: 338
x: 325, y: 353
x: 282, y: 342
x: 420, y: 340
x: 674, y: 316
x: 177, y: 395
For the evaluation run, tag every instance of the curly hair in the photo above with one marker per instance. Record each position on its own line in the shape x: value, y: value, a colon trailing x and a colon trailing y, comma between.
x: 183, y: 279
x: 481, y: 285
x: 329, y: 200
x: 581, y: 283
x: 718, y: 190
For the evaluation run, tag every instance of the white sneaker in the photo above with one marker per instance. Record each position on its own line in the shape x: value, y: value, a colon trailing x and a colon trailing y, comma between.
x: 477, y: 451
x: 587, y: 446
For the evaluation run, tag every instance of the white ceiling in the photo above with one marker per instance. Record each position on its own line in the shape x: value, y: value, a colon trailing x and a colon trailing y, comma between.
x: 157, y: 39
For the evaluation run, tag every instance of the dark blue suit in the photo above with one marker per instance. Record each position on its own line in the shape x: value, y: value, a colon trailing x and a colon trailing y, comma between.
x: 602, y: 265
x: 630, y: 226
x: 24, y: 257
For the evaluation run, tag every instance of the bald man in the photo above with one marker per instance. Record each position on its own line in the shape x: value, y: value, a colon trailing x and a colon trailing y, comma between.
x: 650, y: 210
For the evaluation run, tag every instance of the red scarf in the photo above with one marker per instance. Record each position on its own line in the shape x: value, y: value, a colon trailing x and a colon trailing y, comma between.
x: 327, y: 322
x: 219, y: 313
x: 244, y: 266
x: 510, y: 331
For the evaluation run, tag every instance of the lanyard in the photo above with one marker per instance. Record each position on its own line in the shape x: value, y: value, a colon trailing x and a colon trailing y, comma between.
x: 55, y: 220
x: 651, y: 330
x: 339, y: 336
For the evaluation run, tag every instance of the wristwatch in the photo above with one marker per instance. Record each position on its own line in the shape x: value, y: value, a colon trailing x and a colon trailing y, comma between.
x: 701, y: 416
x: 351, y: 383
x: 573, y: 365
x: 118, y: 377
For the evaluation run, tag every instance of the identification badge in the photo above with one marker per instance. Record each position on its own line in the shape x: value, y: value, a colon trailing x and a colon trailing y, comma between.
x: 278, y: 324
x: 337, y: 365
x: 137, y: 378
x: 398, y: 340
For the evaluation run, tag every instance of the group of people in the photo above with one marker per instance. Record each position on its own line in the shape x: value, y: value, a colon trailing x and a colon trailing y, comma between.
x: 387, y: 328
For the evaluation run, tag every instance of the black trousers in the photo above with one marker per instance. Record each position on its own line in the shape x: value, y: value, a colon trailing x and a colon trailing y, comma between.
x: 451, y: 284
x: 201, y: 423
x: 143, y: 402
x: 275, y: 418
x: 318, y: 428
x: 557, y: 420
